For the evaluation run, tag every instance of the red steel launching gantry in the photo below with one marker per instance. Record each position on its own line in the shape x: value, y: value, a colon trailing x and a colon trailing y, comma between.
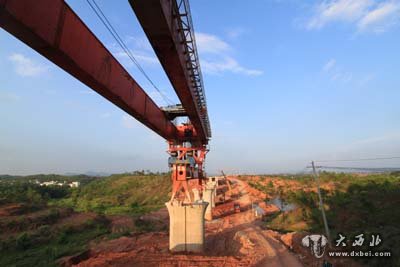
x: 55, y: 31
x: 168, y: 26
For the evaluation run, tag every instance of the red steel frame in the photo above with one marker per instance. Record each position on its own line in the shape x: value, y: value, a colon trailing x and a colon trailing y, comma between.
x: 53, y: 29
x: 184, y: 174
x: 169, y: 28
x: 172, y: 40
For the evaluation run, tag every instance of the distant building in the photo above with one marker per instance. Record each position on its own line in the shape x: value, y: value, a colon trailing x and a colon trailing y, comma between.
x: 74, y: 184
x: 51, y: 183
x: 56, y: 183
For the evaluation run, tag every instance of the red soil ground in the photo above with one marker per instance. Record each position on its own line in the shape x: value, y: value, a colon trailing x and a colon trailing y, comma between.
x: 232, y: 239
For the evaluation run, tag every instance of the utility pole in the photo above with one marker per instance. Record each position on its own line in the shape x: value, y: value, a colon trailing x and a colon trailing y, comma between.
x: 321, y: 204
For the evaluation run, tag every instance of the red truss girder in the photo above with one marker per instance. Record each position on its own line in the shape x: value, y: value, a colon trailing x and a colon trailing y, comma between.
x: 157, y: 20
x: 52, y: 28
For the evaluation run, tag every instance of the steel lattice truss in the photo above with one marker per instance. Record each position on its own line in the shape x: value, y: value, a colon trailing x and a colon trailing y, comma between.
x: 182, y: 13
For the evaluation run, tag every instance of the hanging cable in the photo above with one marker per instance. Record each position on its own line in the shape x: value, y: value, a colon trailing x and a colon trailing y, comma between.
x: 100, y: 14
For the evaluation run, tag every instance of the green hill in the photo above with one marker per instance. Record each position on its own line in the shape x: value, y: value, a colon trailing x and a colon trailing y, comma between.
x: 122, y: 193
x: 38, y: 226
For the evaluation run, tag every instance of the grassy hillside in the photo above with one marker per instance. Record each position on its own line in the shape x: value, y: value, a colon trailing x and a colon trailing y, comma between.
x: 120, y: 194
x: 39, y: 224
x: 354, y: 204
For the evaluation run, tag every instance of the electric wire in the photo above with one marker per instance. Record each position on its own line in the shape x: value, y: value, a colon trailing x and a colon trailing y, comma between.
x: 100, y: 14
x: 384, y: 169
x: 356, y: 168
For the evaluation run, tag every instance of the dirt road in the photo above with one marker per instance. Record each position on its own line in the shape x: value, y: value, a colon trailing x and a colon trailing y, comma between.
x: 255, y: 245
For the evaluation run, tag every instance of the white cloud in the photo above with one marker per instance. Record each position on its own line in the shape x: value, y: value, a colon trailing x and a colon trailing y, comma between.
x: 344, y: 77
x: 229, y: 64
x: 335, y: 72
x: 139, y: 47
x: 26, y: 67
x: 366, y: 15
x: 208, y: 43
x: 381, y: 18
x: 139, y: 42
x: 329, y: 65
x: 366, y: 79
x: 338, y: 10
x: 216, y: 58
x: 139, y: 56
x: 215, y: 55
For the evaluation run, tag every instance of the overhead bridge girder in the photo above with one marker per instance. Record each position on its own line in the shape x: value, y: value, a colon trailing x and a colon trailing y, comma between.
x: 171, y: 35
x: 53, y: 29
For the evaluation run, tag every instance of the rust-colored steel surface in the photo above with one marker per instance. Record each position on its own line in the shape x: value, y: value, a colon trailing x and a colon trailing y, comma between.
x: 173, y: 41
x: 52, y: 28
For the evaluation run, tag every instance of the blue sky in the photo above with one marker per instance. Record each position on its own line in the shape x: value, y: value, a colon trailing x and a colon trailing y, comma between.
x: 287, y: 82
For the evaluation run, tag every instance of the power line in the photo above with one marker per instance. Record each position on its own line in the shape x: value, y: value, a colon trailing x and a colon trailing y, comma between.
x: 100, y: 14
x: 371, y: 169
x: 362, y: 159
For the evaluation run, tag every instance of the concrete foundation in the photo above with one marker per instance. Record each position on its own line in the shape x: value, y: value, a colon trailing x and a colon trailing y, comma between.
x: 186, y: 226
x: 208, y: 196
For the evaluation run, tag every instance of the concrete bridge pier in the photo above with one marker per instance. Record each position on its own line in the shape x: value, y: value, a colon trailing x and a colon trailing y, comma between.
x: 186, y: 226
x: 196, y: 194
x: 208, y: 196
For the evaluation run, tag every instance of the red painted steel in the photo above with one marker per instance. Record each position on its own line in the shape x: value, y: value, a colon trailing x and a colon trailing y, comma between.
x: 52, y: 28
x: 187, y: 167
x: 156, y: 18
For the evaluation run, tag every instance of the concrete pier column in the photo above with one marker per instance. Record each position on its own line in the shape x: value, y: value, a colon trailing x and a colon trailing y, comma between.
x: 186, y: 226
x: 214, y: 196
x: 212, y: 185
x: 208, y: 196
x: 196, y: 194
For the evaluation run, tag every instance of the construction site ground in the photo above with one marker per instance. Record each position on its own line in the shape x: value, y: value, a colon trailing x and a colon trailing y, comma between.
x: 232, y: 239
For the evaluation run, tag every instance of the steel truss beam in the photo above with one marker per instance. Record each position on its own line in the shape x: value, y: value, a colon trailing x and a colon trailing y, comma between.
x: 169, y: 28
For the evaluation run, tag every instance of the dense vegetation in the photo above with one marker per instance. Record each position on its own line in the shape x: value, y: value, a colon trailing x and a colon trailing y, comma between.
x: 126, y: 193
x: 33, y: 231
x: 31, y: 193
x: 120, y: 194
x: 46, y: 244
x: 354, y: 204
